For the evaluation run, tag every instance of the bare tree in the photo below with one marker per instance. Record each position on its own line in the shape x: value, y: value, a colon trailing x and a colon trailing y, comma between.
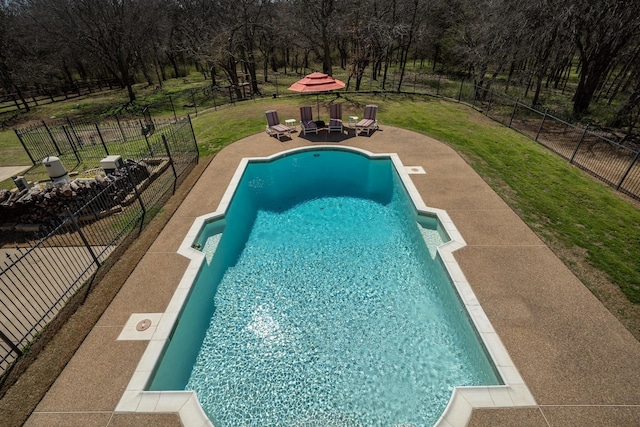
x: 415, y: 12
x: 364, y: 40
x: 601, y: 31
x: 112, y: 32
x: 315, y: 25
x: 445, y: 17
x: 544, y: 39
x: 23, y: 55
x: 7, y: 53
x: 484, y: 38
x: 224, y: 34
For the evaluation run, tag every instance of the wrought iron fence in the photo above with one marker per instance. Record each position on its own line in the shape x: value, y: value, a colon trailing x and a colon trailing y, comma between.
x: 74, y: 142
x: 38, y: 277
x: 610, y: 160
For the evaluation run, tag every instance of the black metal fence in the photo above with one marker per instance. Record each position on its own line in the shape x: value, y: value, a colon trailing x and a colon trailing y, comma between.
x: 612, y: 161
x: 77, y: 141
x: 599, y: 152
x: 45, y: 269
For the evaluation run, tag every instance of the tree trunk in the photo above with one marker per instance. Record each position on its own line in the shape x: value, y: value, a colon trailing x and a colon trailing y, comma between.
x: 536, y: 95
x: 589, y: 82
x: 326, y: 54
x: 21, y: 96
x: 174, y: 63
x: 625, y: 112
x: 145, y: 73
x: 132, y: 95
x: 212, y: 71
x: 511, y: 70
x: 161, y: 67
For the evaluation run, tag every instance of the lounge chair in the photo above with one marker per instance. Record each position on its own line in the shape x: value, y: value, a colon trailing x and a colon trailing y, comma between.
x: 335, y: 117
x: 306, y: 121
x: 369, y: 122
x: 274, y: 127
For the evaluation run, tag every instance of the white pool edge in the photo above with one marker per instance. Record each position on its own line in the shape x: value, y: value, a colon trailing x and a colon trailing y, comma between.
x: 513, y: 393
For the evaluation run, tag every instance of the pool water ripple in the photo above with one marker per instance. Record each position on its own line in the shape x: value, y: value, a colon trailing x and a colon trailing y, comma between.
x: 334, y: 314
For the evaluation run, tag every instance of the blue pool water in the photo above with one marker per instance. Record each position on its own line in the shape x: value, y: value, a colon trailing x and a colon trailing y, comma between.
x: 320, y: 304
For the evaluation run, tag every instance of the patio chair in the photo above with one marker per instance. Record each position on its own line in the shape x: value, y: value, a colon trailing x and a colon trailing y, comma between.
x: 274, y: 127
x: 335, y: 117
x: 306, y: 121
x: 370, y: 121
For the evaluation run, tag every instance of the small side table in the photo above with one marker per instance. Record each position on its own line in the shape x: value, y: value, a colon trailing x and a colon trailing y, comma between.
x: 352, y: 121
x: 291, y: 123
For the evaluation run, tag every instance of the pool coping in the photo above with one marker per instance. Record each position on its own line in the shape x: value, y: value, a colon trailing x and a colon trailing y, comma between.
x: 513, y: 393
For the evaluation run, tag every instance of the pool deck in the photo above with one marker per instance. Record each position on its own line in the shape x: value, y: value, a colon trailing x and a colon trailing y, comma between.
x: 581, y: 365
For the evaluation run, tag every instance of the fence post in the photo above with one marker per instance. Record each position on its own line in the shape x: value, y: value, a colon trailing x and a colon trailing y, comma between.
x: 73, y: 146
x: 106, y: 150
x: 10, y: 343
x: 438, y: 86
x: 515, y: 106
x: 124, y: 137
x: 55, y: 144
x: 15, y: 101
x: 175, y: 117
x: 82, y: 236
x: 486, y: 113
x: 193, y: 99
x: 579, y: 143
x: 137, y: 193
x: 173, y: 167
x: 195, y: 142
x: 142, y: 129
x: 73, y: 129
x: 635, y: 159
x: 541, y: 123
x: 460, y: 92
x: 277, y: 92
x: 24, y: 146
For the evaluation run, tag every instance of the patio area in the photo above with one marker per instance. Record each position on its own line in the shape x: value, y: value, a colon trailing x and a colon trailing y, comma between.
x: 581, y: 365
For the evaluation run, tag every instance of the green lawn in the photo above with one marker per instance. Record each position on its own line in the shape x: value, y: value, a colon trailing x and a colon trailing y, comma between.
x: 11, y: 152
x: 570, y: 210
x: 565, y: 206
x: 561, y: 203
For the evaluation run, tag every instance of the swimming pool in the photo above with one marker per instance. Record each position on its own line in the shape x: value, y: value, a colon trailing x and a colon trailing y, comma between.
x: 357, y: 309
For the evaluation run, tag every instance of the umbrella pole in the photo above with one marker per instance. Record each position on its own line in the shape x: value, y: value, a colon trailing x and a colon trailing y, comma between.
x: 318, y: 102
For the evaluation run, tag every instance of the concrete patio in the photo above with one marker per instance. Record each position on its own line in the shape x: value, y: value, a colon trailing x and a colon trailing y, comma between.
x: 581, y: 365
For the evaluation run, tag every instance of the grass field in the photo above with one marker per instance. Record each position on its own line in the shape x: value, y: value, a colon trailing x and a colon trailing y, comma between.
x: 593, y: 229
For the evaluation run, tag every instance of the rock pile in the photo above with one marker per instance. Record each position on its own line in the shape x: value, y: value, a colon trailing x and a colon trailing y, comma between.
x: 45, y: 203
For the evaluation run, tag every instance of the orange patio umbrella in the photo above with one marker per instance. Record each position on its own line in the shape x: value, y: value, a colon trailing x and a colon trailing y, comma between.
x: 317, y: 82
